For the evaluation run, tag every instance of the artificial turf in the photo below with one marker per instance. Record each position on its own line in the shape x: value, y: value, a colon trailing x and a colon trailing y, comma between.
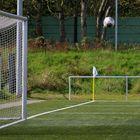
x: 97, y: 120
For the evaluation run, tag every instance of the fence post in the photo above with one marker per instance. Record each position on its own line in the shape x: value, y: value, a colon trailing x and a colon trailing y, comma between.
x: 126, y: 90
x: 69, y: 88
x: 116, y: 25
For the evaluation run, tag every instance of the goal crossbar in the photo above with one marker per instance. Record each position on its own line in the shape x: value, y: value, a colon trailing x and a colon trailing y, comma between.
x: 9, y: 15
x: 104, y: 77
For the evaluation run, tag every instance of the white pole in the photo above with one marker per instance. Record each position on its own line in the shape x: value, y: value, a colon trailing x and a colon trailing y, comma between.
x: 116, y: 25
x: 2, y: 13
x: 24, y: 70
x: 22, y: 61
x: 18, y: 49
x: 19, y: 7
x: 126, y: 96
x: 69, y: 88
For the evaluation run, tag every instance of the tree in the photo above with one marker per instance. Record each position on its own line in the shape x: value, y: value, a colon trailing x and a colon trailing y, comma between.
x: 105, y: 9
x: 74, y: 10
x: 129, y: 7
x: 57, y: 8
x: 62, y: 24
x: 62, y: 8
x: 75, y: 21
x: 38, y: 8
x: 84, y: 18
x: 8, y: 6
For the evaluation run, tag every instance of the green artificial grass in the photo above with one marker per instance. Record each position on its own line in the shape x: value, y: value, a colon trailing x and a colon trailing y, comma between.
x: 97, y: 120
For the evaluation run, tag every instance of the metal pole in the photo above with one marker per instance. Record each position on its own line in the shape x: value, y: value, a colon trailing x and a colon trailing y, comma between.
x: 17, y: 17
x: 93, y: 88
x: 126, y: 94
x: 19, y: 48
x: 19, y: 7
x: 116, y: 25
x: 69, y: 88
x: 105, y: 77
x: 22, y: 61
x: 24, y: 71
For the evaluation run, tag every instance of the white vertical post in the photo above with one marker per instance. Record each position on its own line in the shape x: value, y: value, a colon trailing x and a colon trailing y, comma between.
x: 19, y: 7
x: 24, y: 70
x: 116, y: 25
x: 126, y: 96
x: 69, y: 88
x: 18, y: 49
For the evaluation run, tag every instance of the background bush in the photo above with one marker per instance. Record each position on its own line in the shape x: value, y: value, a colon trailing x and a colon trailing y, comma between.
x: 49, y: 71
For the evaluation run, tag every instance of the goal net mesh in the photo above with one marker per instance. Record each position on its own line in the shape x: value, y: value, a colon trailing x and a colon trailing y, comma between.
x: 10, y: 94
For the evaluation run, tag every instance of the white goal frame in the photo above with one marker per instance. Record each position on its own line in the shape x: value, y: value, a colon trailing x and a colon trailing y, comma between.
x: 24, y: 21
x: 91, y: 77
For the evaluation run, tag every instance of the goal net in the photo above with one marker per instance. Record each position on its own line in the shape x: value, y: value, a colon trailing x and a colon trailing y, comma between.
x: 13, y: 76
x: 107, y: 88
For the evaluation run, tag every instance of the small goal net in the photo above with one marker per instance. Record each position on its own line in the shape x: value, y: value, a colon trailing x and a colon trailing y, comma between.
x: 13, y: 49
x: 105, y: 88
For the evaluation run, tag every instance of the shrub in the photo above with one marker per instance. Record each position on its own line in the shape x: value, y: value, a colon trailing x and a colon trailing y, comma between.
x: 135, y: 88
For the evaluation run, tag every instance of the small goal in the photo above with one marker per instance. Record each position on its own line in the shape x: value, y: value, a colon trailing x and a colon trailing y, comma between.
x: 13, y: 67
x: 105, y: 88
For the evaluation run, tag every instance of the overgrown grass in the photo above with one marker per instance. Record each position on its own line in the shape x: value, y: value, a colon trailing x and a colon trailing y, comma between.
x: 49, y: 71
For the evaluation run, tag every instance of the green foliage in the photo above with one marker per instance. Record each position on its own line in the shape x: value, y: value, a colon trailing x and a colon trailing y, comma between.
x: 129, y: 7
x: 49, y: 71
x: 8, y: 5
x: 135, y: 86
x: 40, y: 42
x: 86, y: 42
x: 5, y: 94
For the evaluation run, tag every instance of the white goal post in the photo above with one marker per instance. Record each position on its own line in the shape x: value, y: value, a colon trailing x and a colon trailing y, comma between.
x: 13, y: 101
x: 125, y: 84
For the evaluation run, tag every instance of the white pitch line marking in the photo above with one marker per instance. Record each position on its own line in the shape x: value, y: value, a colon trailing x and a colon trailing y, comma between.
x: 44, y: 113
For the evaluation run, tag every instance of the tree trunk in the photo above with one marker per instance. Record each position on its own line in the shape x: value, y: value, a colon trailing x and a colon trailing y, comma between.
x: 98, y: 26
x: 99, y: 19
x: 104, y: 11
x: 39, y: 31
x: 83, y: 18
x: 75, y: 39
x: 104, y: 29
x: 75, y: 28
x: 62, y: 26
